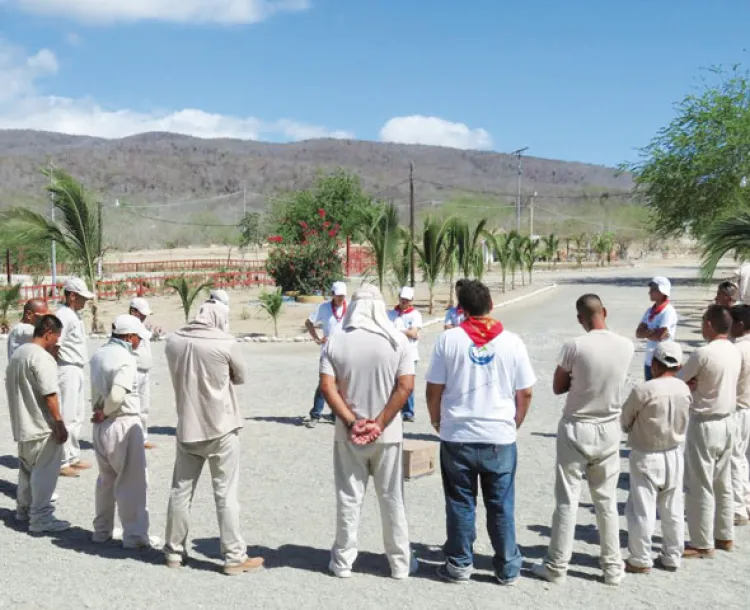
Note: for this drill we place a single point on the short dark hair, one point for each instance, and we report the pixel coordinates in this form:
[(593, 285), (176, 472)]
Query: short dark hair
[(741, 314), (460, 283), (475, 298), (729, 288), (720, 318), (48, 323), (589, 305)]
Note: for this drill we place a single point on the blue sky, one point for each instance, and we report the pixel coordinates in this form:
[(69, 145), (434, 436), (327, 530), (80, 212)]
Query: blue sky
[(582, 80)]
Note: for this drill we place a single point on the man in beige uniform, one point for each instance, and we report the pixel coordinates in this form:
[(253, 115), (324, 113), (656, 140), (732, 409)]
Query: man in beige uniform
[(366, 376), (205, 363), (712, 372), (140, 309), (592, 370), (740, 332), (23, 332), (118, 437), (31, 383)]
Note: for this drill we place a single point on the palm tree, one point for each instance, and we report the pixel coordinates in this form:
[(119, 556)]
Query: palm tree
[(580, 241), (468, 243), (187, 292), (8, 298), (272, 303), (516, 257), (78, 233), (550, 246), (530, 254), (432, 253), (401, 263), (502, 245), (725, 236), (603, 245), (383, 235)]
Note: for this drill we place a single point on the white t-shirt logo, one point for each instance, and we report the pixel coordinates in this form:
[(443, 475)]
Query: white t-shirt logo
[(482, 355)]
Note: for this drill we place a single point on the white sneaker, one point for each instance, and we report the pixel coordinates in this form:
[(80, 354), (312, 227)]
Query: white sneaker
[(540, 570), (117, 533), (54, 497), (413, 567), (140, 545), (614, 579), (55, 525), (338, 572)]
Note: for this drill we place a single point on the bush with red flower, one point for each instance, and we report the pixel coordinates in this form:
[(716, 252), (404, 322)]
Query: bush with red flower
[(313, 264)]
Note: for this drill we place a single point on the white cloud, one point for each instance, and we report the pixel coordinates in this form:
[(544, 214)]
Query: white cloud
[(22, 107), (73, 39), (430, 130), (179, 11)]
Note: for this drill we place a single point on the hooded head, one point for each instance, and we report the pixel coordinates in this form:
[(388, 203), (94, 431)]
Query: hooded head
[(213, 315), (368, 312)]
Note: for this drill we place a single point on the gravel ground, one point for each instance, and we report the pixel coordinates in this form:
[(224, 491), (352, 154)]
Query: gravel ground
[(288, 500)]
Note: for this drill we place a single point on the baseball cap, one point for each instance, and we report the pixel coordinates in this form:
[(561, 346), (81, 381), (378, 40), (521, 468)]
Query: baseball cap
[(78, 286), (130, 325), (339, 289), (141, 305), (407, 293), (221, 296), (662, 284), (669, 353)]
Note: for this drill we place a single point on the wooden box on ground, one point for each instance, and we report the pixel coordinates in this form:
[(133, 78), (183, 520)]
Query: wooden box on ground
[(420, 458)]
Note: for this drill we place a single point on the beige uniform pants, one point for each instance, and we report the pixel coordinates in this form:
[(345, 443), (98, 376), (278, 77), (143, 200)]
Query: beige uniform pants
[(352, 467), (223, 456), (143, 383), (72, 409), (39, 467), (123, 480), (740, 470), (591, 449), (656, 479), (709, 504)]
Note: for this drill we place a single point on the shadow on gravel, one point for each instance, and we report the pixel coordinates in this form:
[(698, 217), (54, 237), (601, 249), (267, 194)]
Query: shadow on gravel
[(279, 419), (9, 461), (631, 282), (535, 554), (8, 489), (590, 507), (419, 436), (545, 434), (584, 533), (162, 430)]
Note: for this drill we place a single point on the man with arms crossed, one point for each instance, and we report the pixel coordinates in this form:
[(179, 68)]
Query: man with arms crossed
[(366, 375), (478, 393), (740, 332), (591, 370), (408, 320), (659, 323), (712, 372), (140, 309), (32, 385), (23, 332)]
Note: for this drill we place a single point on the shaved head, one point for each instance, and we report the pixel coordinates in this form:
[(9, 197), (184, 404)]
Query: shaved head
[(589, 305), (33, 310)]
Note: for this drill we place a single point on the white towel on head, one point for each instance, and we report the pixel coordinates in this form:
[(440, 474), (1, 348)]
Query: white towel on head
[(367, 311), (214, 314)]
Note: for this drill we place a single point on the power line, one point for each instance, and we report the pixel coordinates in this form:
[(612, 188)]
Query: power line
[(178, 222)]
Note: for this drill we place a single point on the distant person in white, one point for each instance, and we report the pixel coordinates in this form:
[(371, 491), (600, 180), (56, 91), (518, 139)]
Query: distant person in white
[(366, 374), (408, 320), (23, 332), (32, 386), (726, 294), (118, 437), (591, 370), (740, 333), (659, 323), (479, 389), (743, 283), (139, 308), (72, 359), (455, 315), (327, 315)]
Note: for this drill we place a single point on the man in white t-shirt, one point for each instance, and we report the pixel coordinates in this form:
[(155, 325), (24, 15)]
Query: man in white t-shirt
[(659, 323), (73, 357), (408, 321), (139, 308), (740, 333), (38, 428), (591, 370), (118, 436), (455, 315), (23, 332), (478, 393), (328, 316)]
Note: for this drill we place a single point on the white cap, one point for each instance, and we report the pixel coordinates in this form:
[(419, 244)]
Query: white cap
[(669, 353), (221, 296), (338, 289), (140, 305), (78, 286), (129, 325), (407, 293), (662, 284)]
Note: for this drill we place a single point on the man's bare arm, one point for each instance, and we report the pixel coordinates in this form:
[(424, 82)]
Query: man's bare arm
[(331, 394), (396, 402), (313, 332), (434, 400), (523, 402), (560, 381)]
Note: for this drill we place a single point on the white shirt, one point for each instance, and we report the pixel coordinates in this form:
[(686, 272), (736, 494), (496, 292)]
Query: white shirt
[(21, 333), (479, 400), (114, 364), (323, 316), (454, 318), (73, 348), (744, 284), (665, 319), (143, 355), (413, 319)]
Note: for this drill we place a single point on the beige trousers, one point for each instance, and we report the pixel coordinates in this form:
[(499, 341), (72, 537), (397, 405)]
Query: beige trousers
[(72, 409), (656, 479), (740, 470), (709, 504), (590, 449), (123, 480), (143, 383), (353, 466), (223, 456), (39, 467)]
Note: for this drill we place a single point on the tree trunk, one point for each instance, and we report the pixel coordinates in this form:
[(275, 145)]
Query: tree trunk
[(275, 328), (503, 273), (432, 298), (530, 270), (451, 291)]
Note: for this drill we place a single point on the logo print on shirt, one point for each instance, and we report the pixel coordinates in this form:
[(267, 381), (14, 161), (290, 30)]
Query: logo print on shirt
[(481, 355)]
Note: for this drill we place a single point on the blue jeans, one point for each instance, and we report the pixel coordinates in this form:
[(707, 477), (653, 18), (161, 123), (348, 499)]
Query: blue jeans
[(647, 372), (319, 404), (463, 467), (408, 410)]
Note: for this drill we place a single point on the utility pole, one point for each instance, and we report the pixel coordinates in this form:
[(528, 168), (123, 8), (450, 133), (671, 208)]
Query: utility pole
[(7, 267), (518, 153), (100, 222), (531, 214), (411, 220), (54, 244), (244, 202)]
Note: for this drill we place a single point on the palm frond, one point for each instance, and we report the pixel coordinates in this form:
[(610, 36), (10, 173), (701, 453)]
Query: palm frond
[(383, 236), (728, 235)]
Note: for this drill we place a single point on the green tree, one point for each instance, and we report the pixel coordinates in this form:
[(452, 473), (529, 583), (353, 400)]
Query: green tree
[(251, 232), (503, 244), (432, 253), (580, 241), (401, 265), (695, 168), (727, 236), (603, 245), (550, 247), (272, 303), (530, 251), (187, 291), (384, 237), (9, 298), (468, 244)]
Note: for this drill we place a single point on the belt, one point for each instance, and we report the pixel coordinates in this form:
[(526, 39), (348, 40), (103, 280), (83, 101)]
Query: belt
[(699, 417)]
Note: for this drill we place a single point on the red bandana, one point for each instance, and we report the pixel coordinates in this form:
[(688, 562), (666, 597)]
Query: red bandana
[(481, 330), (343, 311), (402, 312), (459, 311), (655, 311)]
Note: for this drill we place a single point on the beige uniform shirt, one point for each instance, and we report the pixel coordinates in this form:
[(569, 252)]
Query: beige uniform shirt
[(143, 355), (114, 364), (655, 415), (716, 369), (743, 382), (73, 348), (366, 368), (21, 333), (598, 364), (31, 375), (205, 364)]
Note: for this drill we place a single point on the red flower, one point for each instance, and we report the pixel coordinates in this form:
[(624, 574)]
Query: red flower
[(275, 239), (303, 224), (332, 233), (337, 226), (322, 213), (327, 224)]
